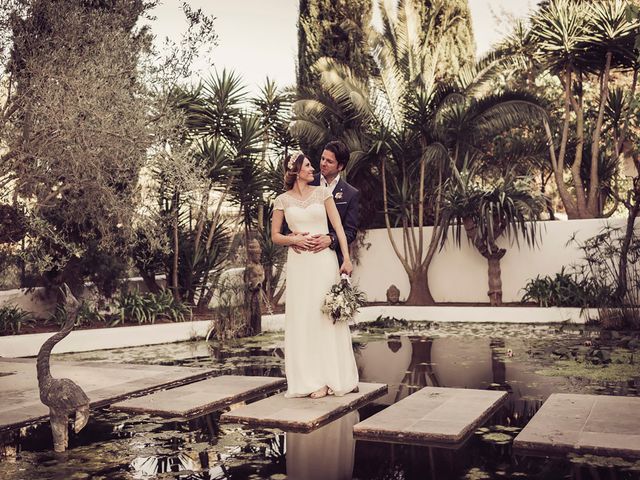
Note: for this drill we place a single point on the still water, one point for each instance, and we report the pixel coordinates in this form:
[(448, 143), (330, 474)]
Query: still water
[(520, 359)]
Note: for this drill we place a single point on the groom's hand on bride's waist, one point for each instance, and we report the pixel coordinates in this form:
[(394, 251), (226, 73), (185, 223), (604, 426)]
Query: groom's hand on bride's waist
[(320, 242)]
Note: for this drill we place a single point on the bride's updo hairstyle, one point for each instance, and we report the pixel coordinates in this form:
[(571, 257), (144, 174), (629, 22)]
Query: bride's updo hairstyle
[(292, 165)]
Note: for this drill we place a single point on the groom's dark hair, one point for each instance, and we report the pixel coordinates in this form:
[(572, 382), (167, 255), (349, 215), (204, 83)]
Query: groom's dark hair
[(340, 150)]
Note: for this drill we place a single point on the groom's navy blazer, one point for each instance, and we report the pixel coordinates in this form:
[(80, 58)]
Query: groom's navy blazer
[(347, 200)]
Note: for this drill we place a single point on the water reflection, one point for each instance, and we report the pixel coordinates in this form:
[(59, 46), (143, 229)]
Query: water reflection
[(324, 454), (121, 446), (144, 467), (408, 364), (406, 461)]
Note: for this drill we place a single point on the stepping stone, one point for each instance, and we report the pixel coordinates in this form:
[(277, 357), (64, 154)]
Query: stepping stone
[(104, 384), (302, 414), (202, 397), (589, 424), (434, 416)]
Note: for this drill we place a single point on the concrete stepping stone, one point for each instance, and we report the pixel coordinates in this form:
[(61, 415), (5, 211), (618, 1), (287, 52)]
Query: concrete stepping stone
[(591, 424), (202, 397), (104, 383), (302, 414), (434, 416)]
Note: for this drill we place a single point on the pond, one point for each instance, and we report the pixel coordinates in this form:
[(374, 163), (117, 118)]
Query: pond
[(530, 362)]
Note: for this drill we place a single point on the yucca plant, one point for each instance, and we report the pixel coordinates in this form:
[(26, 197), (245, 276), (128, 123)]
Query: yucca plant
[(13, 319), (581, 44), (212, 162), (273, 108), (132, 306), (273, 261), (486, 213), (566, 289)]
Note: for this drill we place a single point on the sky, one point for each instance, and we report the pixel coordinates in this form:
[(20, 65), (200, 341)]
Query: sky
[(258, 38)]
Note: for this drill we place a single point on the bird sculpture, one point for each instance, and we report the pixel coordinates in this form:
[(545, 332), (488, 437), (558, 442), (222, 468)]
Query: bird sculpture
[(61, 395)]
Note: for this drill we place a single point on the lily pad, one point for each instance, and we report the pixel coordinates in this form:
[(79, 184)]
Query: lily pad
[(497, 438)]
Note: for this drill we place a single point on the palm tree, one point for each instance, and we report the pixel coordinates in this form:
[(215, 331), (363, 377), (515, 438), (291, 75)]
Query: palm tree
[(340, 109), (509, 207), (407, 127), (373, 118)]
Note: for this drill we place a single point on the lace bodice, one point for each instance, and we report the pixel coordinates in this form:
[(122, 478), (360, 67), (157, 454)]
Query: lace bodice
[(308, 215)]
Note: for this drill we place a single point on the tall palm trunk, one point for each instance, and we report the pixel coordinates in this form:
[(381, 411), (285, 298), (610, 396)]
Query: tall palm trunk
[(594, 183), (493, 254), (495, 279)]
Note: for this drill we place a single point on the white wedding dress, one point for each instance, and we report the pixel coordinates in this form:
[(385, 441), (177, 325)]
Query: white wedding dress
[(317, 351)]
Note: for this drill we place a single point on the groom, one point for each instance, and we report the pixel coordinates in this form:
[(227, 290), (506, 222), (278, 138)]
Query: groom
[(332, 162)]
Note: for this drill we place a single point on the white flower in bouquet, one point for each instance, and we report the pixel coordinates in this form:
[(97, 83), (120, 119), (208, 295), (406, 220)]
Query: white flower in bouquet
[(343, 301)]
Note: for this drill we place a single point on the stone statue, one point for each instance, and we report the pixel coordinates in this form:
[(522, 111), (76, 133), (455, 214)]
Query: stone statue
[(393, 295), (61, 395), (253, 278)]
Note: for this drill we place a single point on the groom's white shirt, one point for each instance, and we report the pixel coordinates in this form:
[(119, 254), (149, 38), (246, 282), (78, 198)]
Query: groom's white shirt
[(332, 185)]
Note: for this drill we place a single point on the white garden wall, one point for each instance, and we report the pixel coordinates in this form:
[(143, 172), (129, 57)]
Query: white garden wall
[(456, 274), (43, 304), (460, 274)]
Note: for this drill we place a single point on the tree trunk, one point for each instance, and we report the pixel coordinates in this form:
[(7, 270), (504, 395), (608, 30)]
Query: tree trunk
[(176, 256), (557, 165), (495, 280), (206, 296), (621, 288), (272, 293), (254, 312), (420, 294), (149, 281), (594, 181), (498, 367)]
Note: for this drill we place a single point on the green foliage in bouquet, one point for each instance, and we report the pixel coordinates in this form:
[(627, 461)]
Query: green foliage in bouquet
[(343, 301)]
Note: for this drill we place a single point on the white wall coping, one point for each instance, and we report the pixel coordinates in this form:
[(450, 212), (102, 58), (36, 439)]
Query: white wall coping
[(121, 337), (479, 314)]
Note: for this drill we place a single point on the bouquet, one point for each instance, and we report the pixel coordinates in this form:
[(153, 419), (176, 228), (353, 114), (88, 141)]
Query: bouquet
[(343, 300)]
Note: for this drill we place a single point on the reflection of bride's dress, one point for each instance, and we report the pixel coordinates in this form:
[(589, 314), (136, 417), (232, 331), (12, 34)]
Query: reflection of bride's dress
[(317, 352), (324, 454)]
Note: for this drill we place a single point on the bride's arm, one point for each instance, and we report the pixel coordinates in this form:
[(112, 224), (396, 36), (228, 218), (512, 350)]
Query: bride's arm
[(334, 218), (299, 240)]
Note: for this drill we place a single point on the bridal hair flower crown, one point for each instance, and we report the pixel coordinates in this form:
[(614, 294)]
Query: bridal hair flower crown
[(292, 159)]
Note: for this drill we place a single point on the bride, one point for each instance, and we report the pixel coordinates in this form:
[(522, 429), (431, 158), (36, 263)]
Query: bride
[(319, 357)]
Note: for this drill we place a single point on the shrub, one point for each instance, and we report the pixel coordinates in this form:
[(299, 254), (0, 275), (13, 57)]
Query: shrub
[(230, 313), (87, 314), (566, 290), (13, 319), (147, 307)]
